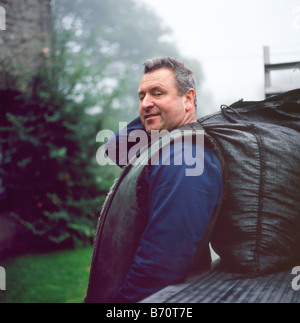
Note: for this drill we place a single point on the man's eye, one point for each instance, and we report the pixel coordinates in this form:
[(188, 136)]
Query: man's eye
[(157, 94)]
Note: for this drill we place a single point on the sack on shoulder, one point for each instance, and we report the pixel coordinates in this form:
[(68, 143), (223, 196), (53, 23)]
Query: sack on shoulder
[(258, 229)]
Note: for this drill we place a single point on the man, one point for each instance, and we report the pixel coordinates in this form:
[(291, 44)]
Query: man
[(152, 229)]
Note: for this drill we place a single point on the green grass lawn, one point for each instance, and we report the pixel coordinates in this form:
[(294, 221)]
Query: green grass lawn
[(59, 277)]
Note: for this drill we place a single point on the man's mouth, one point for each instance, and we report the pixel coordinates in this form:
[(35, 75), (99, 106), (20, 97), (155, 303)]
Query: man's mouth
[(150, 116)]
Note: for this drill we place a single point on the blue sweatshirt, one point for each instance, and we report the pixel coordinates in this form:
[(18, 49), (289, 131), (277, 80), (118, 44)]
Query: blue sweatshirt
[(179, 208)]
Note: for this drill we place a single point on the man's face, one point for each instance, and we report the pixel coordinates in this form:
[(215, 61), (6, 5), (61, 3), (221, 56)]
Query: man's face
[(160, 105)]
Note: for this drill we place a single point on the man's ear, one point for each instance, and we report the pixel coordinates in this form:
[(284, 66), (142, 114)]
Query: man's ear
[(189, 100)]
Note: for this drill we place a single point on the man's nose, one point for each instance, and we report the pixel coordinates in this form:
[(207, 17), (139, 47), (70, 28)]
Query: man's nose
[(147, 103)]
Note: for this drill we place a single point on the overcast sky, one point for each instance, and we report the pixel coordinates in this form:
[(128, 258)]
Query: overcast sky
[(227, 37)]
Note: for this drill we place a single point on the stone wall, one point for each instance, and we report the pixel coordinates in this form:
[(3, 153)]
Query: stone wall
[(27, 34)]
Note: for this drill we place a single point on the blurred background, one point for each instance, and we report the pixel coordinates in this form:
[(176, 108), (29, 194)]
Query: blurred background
[(71, 68), (227, 38)]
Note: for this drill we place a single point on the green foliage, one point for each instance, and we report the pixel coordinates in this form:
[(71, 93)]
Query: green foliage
[(48, 146), (47, 172)]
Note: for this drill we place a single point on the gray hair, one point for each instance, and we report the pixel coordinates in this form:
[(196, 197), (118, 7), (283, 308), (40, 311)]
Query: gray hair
[(184, 76)]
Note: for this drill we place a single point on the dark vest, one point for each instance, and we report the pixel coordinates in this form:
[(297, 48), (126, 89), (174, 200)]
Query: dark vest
[(121, 224)]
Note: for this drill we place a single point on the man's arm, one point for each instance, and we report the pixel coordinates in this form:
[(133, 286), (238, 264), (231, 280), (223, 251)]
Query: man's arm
[(179, 209), (114, 146)]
